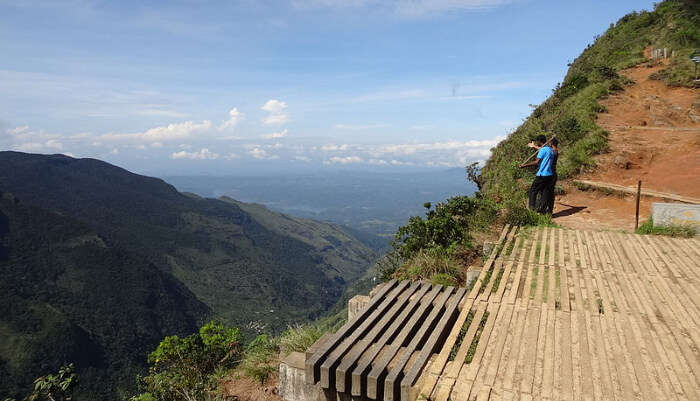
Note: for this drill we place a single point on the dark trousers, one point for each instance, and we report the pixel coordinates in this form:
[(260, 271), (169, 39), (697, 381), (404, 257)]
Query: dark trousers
[(540, 195), (550, 203)]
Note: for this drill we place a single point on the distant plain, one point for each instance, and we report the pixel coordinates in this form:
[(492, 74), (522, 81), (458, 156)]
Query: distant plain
[(372, 202)]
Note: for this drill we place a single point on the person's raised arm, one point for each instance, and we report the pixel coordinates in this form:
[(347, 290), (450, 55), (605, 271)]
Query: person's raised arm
[(532, 163)]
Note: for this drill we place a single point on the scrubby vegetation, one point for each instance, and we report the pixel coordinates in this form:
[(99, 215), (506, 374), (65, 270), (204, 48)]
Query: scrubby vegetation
[(54, 387), (648, 228), (436, 247), (190, 368), (196, 367)]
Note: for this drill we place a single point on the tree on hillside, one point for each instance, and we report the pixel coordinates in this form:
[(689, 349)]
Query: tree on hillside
[(54, 387), (189, 368)]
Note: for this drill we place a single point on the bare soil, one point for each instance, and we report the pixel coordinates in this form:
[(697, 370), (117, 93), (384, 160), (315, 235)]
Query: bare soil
[(247, 389), (654, 137)]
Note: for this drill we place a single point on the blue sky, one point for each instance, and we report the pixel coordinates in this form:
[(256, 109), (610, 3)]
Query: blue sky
[(226, 87)]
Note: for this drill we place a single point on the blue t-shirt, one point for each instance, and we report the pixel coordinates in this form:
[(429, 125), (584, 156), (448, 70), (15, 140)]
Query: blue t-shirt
[(546, 156)]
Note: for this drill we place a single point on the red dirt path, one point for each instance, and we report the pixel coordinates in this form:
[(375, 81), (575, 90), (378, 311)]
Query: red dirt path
[(656, 130)]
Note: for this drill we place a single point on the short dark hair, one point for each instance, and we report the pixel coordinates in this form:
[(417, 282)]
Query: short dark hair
[(554, 141), (541, 138)]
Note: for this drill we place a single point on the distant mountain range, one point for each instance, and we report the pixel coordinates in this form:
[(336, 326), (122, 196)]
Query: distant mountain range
[(99, 264)]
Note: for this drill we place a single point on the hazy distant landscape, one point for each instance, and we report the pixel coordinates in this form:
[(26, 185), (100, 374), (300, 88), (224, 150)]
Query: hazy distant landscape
[(373, 202)]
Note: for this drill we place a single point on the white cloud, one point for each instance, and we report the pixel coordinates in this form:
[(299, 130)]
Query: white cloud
[(277, 114), (50, 145), (410, 149), (276, 119), (157, 145), (431, 154), (261, 154), (18, 130), (345, 160), (334, 147), (275, 135), (29, 147), (232, 156), (274, 106), (165, 133), (302, 158), (203, 154), (234, 117)]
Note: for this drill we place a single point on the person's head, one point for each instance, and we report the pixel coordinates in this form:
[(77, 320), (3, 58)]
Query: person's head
[(540, 140), (554, 142)]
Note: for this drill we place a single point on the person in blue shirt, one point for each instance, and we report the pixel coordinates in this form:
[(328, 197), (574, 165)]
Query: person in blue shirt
[(554, 144), (541, 194)]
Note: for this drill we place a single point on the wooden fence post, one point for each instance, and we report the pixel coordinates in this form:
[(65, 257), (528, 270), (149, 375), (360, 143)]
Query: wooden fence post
[(636, 214)]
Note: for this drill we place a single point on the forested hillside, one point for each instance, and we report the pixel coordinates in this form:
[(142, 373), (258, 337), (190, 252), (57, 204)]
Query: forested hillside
[(95, 258)]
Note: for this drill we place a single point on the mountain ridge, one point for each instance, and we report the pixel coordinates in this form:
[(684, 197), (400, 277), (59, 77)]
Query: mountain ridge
[(108, 233)]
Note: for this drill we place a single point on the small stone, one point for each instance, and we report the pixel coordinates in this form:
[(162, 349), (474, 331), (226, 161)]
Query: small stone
[(694, 116), (622, 162)]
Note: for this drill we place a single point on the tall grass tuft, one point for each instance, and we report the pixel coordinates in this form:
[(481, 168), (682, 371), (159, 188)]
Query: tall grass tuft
[(684, 231)]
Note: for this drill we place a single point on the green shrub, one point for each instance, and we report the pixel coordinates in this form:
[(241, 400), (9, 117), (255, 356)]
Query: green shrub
[(54, 387), (188, 368), (260, 358), (445, 226), (648, 228)]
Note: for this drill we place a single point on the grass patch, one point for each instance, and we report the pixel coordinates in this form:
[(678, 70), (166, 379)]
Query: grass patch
[(485, 281), (300, 337), (509, 249), (533, 284), (472, 347), (497, 280), (260, 358), (460, 336), (557, 287), (472, 283), (434, 264), (648, 228), (518, 215)]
